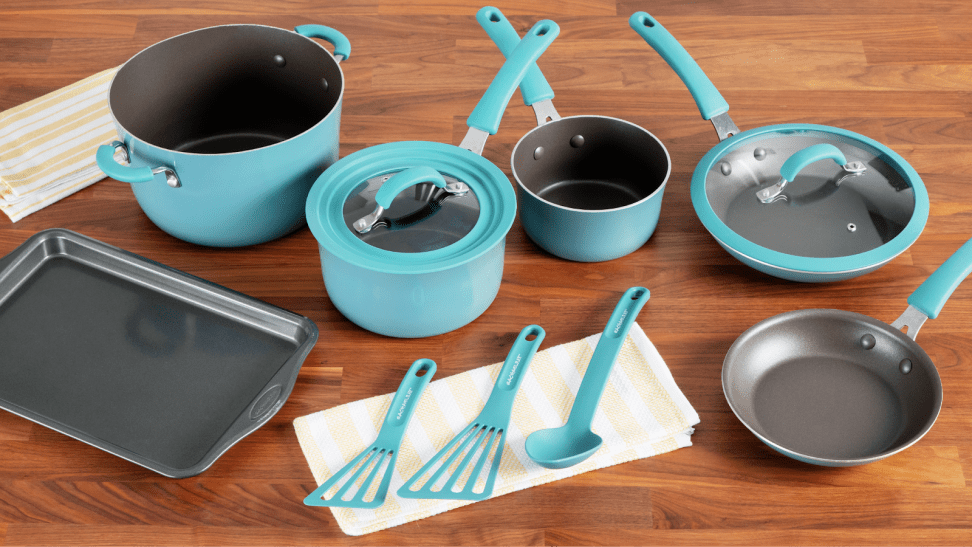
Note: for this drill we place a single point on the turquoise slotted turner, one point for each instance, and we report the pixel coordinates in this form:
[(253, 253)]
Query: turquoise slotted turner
[(380, 457), (484, 436)]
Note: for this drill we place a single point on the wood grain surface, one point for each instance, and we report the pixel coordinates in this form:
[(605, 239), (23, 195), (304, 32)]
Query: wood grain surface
[(897, 71)]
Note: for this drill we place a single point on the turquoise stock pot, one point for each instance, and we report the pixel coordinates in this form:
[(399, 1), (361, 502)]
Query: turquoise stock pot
[(802, 202), (226, 128), (412, 234)]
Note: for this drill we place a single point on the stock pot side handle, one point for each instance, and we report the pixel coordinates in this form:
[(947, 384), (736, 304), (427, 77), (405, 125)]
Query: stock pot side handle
[(105, 158), (342, 47)]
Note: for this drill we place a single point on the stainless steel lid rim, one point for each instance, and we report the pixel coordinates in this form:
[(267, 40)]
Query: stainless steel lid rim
[(660, 189), (335, 111), (327, 197), (862, 261)]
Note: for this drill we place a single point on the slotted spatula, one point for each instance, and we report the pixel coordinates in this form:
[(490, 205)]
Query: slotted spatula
[(484, 437), (380, 457)]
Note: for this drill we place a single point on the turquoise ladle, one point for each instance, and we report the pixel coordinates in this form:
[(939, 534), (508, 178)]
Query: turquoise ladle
[(574, 442)]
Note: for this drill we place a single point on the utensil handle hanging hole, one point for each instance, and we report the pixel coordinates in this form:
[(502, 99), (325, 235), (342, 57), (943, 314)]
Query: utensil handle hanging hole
[(494, 17), (532, 334), (646, 21), (542, 30)]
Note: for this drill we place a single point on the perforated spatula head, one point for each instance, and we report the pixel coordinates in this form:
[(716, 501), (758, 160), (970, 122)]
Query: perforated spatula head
[(482, 440), (347, 488)]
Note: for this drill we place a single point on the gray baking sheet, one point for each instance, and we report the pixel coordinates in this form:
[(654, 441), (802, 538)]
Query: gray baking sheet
[(146, 362)]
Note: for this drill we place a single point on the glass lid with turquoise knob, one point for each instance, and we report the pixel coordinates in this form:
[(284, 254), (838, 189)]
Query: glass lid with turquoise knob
[(806, 193)]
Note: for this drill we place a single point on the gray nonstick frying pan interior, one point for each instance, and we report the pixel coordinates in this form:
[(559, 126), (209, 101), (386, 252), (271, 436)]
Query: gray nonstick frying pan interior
[(836, 388)]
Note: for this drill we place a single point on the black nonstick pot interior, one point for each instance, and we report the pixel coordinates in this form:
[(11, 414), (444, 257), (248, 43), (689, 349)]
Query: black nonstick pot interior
[(225, 89), (590, 162)]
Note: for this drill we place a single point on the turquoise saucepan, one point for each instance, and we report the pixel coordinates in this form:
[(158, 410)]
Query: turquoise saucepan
[(590, 187), (412, 234), (768, 198)]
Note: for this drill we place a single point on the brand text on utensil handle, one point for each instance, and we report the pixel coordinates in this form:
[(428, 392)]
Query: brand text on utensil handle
[(620, 321), (513, 370), (401, 409)]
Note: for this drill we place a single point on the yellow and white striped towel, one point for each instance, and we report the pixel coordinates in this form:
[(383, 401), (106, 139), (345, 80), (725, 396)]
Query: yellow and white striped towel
[(642, 413), (47, 145)]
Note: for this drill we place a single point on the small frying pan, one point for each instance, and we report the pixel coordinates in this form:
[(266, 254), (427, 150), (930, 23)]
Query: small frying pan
[(765, 195), (590, 187), (836, 388)]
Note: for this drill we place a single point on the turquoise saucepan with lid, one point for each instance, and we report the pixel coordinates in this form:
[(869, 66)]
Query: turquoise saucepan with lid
[(802, 202), (412, 234)]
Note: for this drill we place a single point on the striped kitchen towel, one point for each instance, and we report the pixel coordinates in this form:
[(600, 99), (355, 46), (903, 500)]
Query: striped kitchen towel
[(642, 413), (47, 145)]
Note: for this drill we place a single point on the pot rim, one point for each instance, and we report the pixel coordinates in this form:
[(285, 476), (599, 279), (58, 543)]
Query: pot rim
[(336, 108), (829, 265), (324, 208), (657, 191)]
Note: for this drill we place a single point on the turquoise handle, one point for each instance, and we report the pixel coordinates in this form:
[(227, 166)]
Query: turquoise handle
[(707, 97), (605, 354), (931, 295), (489, 111), (500, 402), (105, 157), (405, 402), (340, 42), (534, 86), (406, 179), (811, 154)]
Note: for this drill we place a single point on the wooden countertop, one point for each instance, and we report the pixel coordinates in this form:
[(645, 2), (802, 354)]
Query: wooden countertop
[(897, 71)]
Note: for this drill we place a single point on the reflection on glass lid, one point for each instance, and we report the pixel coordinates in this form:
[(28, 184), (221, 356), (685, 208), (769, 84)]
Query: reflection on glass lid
[(843, 199)]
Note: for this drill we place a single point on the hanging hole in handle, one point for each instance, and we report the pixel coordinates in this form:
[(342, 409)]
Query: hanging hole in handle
[(637, 295), (421, 372), (647, 22), (531, 337), (494, 17), (542, 30)]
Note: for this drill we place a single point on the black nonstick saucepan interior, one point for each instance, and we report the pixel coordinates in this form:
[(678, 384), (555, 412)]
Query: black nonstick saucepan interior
[(837, 388), (590, 187)]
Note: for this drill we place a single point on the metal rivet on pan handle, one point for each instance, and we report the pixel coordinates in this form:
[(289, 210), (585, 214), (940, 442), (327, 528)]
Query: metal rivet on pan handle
[(105, 158)]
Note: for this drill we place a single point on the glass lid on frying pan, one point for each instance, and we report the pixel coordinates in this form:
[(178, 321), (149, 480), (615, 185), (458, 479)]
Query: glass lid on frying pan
[(810, 193), (411, 211)]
